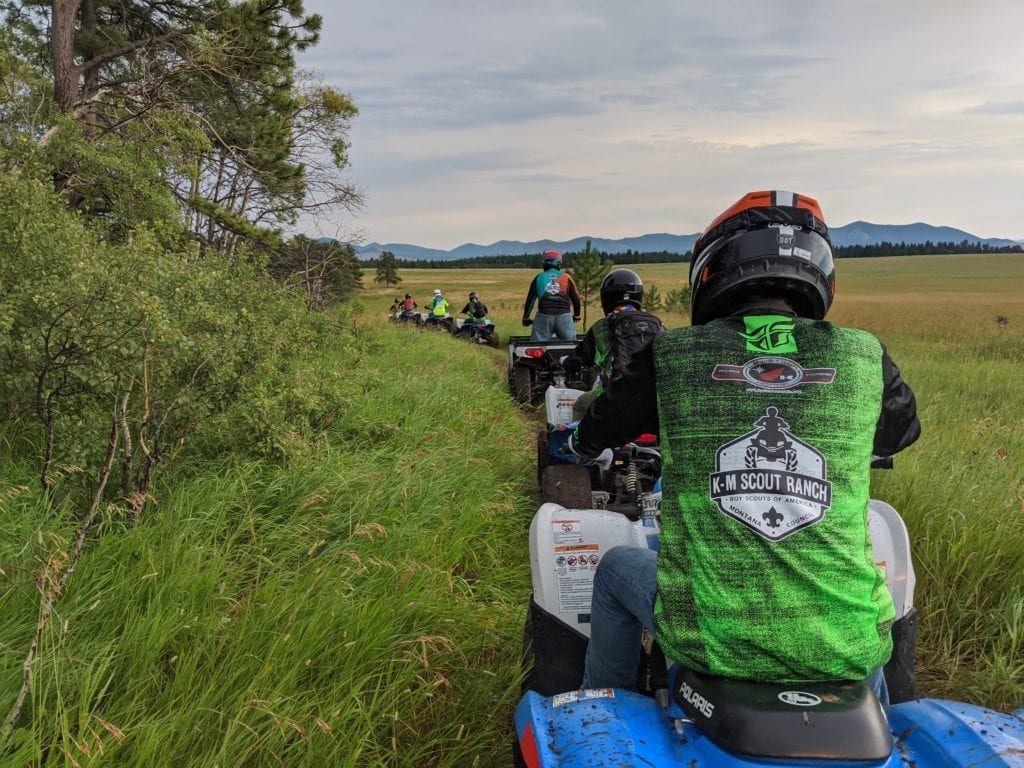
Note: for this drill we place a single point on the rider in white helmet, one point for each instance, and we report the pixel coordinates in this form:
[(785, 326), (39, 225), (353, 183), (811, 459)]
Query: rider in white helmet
[(438, 307)]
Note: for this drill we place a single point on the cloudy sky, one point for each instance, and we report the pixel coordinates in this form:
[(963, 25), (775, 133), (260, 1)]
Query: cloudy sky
[(483, 120)]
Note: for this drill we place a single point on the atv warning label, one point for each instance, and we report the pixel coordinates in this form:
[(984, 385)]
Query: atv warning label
[(566, 532), (572, 697), (575, 565), (771, 481)]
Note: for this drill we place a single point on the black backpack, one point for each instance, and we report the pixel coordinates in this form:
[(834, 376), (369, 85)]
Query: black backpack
[(630, 332)]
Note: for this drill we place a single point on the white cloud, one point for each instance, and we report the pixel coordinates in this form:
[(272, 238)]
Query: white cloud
[(482, 121)]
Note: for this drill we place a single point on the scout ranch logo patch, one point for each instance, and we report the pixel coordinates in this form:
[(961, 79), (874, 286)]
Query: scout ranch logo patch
[(769, 480), (773, 373)]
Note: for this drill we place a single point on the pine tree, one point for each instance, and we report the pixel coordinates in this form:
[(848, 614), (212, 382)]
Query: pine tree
[(588, 271), (387, 270), (652, 299), (200, 97)]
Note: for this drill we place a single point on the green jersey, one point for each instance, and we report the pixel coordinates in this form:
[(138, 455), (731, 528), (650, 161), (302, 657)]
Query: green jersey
[(765, 566)]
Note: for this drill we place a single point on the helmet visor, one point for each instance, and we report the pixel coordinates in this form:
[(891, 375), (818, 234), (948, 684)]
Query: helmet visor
[(780, 262), (774, 245)]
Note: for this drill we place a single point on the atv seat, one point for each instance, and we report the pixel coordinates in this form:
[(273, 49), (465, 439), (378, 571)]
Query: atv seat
[(807, 721)]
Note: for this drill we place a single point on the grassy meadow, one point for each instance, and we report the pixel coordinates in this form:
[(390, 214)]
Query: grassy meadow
[(359, 603), (955, 326)]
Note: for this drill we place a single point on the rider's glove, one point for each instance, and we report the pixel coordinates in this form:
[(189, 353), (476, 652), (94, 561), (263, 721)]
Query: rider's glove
[(604, 459), (527, 322)]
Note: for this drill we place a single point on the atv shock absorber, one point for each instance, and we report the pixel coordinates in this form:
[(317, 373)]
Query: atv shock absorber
[(631, 479)]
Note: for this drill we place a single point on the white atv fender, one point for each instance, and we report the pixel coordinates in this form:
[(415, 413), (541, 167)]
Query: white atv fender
[(566, 546), (891, 543), (558, 402)]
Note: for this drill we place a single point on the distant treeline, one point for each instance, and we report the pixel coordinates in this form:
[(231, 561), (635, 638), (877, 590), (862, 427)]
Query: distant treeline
[(926, 248), (533, 260)]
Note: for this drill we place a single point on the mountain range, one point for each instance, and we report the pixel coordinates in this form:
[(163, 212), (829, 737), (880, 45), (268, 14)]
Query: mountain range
[(856, 233)]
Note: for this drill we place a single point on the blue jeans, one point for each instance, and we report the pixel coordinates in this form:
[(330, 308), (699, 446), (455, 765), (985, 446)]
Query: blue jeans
[(547, 327), (621, 607)]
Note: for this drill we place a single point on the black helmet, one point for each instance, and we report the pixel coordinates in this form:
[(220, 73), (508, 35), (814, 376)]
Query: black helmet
[(621, 286), (408, 295), (769, 245)]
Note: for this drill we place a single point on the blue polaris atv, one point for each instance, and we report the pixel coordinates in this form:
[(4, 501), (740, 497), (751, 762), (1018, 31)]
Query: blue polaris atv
[(705, 721), (677, 718)]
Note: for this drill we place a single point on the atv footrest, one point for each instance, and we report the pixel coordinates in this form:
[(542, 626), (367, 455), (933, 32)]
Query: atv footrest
[(556, 653)]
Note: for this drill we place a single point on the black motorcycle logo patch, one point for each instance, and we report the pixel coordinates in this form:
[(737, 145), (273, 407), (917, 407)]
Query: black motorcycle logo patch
[(771, 481)]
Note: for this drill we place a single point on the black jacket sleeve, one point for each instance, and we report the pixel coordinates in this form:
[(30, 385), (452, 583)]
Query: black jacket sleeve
[(531, 298), (898, 425), (627, 408), (583, 355)]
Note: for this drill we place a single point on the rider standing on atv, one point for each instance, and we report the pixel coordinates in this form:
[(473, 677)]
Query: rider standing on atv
[(768, 417), (554, 292), (612, 341)]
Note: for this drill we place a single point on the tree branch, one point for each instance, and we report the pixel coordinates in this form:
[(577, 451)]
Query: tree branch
[(51, 590)]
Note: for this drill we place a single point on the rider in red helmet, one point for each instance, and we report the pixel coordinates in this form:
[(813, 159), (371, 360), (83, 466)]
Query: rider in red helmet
[(557, 299)]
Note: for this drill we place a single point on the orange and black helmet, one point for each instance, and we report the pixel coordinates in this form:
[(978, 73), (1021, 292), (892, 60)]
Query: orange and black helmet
[(767, 245)]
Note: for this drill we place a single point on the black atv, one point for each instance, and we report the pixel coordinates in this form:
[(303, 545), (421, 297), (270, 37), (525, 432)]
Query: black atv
[(475, 332), (625, 480), (532, 366)]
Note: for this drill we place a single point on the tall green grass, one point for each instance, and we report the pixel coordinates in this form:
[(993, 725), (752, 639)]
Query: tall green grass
[(359, 606), (955, 326), (360, 602)]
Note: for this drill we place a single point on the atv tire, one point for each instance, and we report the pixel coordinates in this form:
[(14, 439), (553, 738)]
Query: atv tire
[(518, 761), (492, 339), (566, 484), (528, 656), (520, 381), (544, 459)]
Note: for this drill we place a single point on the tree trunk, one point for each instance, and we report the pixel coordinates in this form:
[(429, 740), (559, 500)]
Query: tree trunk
[(91, 75), (65, 73)]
